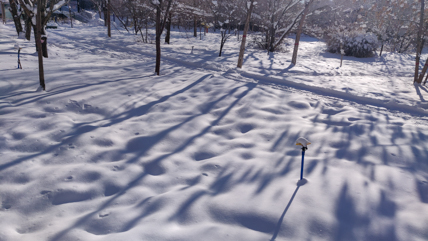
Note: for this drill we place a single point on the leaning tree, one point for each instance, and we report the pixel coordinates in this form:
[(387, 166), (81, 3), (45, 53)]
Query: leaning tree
[(38, 13)]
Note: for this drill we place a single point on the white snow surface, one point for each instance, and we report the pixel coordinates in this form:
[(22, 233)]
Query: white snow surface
[(206, 151)]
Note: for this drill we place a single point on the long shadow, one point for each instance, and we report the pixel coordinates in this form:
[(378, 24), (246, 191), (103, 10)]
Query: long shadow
[(286, 69), (281, 219), (142, 110), (142, 144), (54, 91), (83, 128), (418, 91), (155, 163)]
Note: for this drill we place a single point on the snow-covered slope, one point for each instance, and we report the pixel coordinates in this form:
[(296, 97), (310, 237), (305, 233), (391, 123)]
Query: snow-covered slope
[(206, 151)]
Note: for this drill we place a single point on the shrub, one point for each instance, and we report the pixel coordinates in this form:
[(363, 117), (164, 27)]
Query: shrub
[(358, 44), (258, 41)]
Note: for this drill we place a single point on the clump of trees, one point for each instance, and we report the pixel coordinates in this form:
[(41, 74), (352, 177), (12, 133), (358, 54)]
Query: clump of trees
[(350, 27)]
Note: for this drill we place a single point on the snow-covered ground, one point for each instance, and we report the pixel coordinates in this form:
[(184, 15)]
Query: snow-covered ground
[(207, 151)]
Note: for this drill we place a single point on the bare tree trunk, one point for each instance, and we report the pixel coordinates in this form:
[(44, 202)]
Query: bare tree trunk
[(3, 13), (28, 28), (39, 44), (160, 25), (272, 39), (69, 12), (35, 39), (16, 18), (244, 36), (108, 19), (44, 41), (158, 35), (223, 40), (272, 30), (418, 50), (105, 12), (147, 30), (135, 20), (100, 10), (168, 29), (195, 32), (299, 32)]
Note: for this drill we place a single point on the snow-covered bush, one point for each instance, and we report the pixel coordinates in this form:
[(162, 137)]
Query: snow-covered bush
[(355, 43), (258, 41)]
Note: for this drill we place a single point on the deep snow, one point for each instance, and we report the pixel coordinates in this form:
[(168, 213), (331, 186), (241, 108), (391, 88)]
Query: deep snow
[(206, 151)]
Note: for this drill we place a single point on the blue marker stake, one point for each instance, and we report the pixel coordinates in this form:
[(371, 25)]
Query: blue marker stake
[(304, 143), (303, 161)]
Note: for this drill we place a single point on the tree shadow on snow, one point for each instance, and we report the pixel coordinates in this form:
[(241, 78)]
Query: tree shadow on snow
[(141, 145)]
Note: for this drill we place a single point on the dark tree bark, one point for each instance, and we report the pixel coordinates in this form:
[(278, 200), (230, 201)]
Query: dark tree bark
[(105, 13), (16, 17), (195, 31), (168, 29), (42, 18), (244, 35), (108, 19), (39, 43), (161, 9), (418, 78), (224, 37), (299, 32), (27, 27), (3, 15), (158, 35), (69, 12)]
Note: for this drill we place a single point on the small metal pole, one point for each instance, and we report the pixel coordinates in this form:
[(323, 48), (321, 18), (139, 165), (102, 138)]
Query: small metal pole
[(303, 161), (304, 143)]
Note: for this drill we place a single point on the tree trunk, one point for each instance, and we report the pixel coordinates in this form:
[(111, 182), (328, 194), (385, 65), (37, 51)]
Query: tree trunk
[(244, 36), (147, 30), (299, 32), (195, 31), (272, 30), (69, 12), (108, 19), (3, 13), (39, 44), (381, 50), (44, 41), (158, 36), (267, 40), (223, 40), (35, 38), (272, 40), (28, 26), (419, 78), (16, 18), (105, 13), (168, 29), (160, 25)]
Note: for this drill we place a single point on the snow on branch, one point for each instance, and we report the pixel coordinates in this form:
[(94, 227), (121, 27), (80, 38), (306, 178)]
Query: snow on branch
[(58, 5)]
